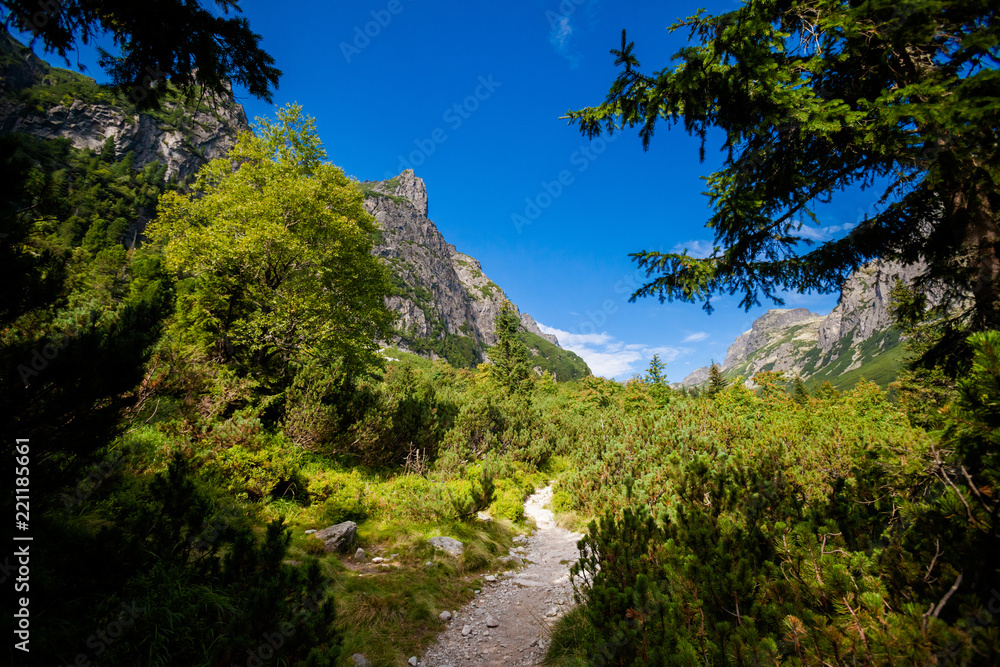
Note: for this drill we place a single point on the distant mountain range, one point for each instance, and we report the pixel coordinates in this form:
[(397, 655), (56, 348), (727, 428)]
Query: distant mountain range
[(857, 339), (446, 304)]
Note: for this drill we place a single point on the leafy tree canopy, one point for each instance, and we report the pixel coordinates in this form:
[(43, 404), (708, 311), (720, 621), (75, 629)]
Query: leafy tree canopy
[(273, 246), (164, 40), (816, 97)]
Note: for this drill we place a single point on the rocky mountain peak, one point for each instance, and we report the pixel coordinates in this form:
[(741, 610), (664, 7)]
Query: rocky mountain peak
[(442, 296), (763, 329), (407, 185)]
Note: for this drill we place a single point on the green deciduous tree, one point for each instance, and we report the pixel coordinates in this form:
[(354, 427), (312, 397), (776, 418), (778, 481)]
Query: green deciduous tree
[(815, 97), (273, 249), (167, 40)]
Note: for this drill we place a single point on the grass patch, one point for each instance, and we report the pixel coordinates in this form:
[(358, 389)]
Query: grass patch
[(389, 611), (571, 633)]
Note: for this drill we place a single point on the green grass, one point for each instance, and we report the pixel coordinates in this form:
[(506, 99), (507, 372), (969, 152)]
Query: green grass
[(881, 361), (390, 613)]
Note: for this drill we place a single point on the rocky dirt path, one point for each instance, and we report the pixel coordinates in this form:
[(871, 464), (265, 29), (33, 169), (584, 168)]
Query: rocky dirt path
[(509, 621)]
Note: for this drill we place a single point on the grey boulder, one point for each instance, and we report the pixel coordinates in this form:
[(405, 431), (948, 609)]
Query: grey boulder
[(449, 545), (338, 538)]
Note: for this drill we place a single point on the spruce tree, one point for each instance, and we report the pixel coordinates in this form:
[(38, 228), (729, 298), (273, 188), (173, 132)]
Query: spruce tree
[(655, 374), (812, 100), (509, 357), (656, 378), (716, 380), (799, 392)]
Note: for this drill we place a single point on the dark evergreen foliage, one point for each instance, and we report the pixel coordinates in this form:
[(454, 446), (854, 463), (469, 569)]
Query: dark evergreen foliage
[(160, 42)]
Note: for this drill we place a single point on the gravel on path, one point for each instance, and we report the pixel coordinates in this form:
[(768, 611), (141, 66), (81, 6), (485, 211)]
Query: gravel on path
[(509, 622)]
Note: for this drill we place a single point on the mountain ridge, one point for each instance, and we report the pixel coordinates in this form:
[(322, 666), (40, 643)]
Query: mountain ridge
[(857, 338)]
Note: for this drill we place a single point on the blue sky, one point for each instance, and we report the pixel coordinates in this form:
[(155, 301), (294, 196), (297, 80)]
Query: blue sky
[(469, 95)]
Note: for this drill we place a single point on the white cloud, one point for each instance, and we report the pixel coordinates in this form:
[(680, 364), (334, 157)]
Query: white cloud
[(560, 33), (563, 33), (559, 38), (567, 339), (611, 358), (822, 233), (696, 249), (696, 337)]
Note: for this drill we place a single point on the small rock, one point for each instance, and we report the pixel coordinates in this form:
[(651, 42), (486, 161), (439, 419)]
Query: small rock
[(490, 578), (340, 537), (360, 660), (377, 559), (466, 630), (551, 613), (491, 622), (412, 661), (483, 516), (445, 615), (477, 591), (360, 556), (449, 545), (310, 531), (429, 564), (391, 556)]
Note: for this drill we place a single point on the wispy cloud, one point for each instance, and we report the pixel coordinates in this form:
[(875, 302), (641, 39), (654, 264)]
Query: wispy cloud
[(611, 358), (823, 233), (567, 25), (696, 337), (560, 33), (697, 249), (559, 38)]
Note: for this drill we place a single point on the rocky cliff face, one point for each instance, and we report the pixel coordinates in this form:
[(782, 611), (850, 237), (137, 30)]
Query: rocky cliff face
[(439, 292), (856, 336), (762, 336), (863, 309), (54, 103)]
